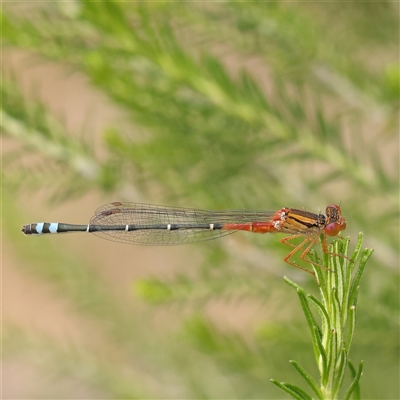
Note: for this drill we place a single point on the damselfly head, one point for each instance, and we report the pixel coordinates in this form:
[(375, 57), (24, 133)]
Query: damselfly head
[(334, 220)]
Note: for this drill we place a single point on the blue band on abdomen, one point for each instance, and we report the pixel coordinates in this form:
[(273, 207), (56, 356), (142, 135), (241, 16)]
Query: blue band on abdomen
[(39, 228), (53, 228)]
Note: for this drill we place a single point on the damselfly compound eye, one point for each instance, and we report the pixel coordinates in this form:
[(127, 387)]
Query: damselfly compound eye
[(333, 229)]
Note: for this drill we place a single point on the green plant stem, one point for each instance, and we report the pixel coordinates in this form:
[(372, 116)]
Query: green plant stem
[(338, 286)]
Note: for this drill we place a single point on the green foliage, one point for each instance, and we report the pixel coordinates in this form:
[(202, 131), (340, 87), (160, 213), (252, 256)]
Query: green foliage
[(211, 283), (339, 285), (226, 105)]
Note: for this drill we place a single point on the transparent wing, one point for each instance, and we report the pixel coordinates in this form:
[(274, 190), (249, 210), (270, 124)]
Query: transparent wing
[(154, 220)]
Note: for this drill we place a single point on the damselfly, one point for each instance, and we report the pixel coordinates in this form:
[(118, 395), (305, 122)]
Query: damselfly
[(146, 224)]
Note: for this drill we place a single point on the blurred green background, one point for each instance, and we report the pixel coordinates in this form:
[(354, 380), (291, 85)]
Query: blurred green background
[(210, 105)]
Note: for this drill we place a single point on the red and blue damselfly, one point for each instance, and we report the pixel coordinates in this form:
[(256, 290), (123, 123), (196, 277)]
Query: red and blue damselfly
[(146, 224)]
